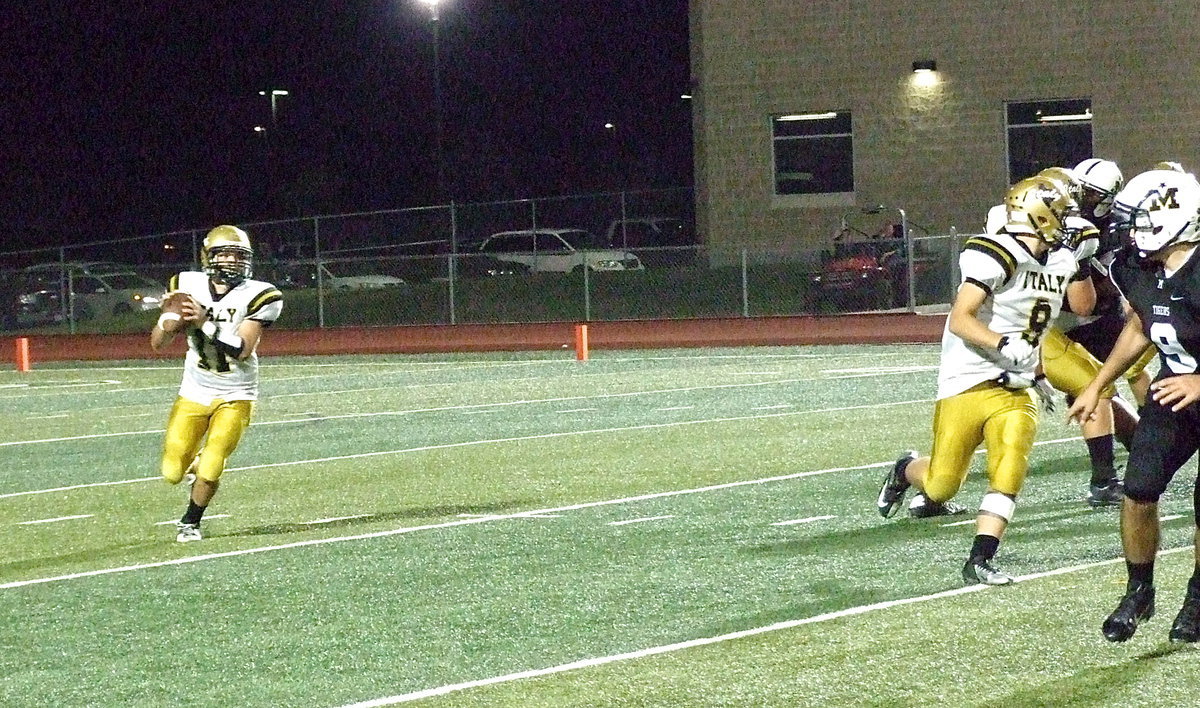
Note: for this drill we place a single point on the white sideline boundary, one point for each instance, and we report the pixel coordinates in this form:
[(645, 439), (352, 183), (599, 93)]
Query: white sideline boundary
[(443, 525), (462, 521), (467, 407), (740, 634), (469, 443)]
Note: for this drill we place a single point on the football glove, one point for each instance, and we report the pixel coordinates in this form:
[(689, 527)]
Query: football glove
[(1040, 385), (1016, 350)]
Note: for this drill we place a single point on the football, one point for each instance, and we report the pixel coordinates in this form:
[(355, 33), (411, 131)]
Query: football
[(178, 303), (175, 301)]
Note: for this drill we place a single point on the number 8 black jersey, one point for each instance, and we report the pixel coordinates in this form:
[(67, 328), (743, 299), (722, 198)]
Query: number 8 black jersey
[(1169, 307)]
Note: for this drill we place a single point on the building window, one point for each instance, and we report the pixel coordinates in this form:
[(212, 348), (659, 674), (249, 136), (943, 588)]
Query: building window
[(1045, 134), (813, 153)]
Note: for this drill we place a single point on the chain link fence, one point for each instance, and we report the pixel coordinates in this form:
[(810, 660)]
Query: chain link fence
[(584, 258)]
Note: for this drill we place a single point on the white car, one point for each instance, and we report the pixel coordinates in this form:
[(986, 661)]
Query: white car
[(358, 282), (97, 289), (556, 251)]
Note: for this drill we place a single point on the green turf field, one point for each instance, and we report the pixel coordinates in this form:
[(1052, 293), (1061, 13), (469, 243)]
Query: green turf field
[(652, 528)]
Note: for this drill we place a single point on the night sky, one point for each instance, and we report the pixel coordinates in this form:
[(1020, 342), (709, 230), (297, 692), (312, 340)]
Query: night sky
[(126, 118)]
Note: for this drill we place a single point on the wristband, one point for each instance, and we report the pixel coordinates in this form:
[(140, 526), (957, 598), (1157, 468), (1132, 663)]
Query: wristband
[(168, 317)]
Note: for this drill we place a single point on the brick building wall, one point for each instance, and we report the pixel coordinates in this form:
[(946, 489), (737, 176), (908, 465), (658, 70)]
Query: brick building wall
[(939, 152)]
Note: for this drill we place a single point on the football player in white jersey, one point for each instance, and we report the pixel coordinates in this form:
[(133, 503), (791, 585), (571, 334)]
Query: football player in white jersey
[(1012, 289), (1067, 363), (223, 321)]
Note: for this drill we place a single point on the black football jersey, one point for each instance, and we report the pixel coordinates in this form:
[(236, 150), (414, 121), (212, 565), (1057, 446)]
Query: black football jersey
[(1168, 307)]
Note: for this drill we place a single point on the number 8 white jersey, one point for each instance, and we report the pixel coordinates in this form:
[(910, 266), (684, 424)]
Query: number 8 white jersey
[(1025, 295), (208, 373)]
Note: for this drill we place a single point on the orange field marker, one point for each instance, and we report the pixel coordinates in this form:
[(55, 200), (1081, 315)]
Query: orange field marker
[(581, 342), (23, 363)]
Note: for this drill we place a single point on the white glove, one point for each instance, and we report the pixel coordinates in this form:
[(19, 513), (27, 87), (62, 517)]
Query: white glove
[(1015, 349), (1042, 387)]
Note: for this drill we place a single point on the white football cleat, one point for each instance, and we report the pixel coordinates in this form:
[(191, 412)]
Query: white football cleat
[(188, 533)]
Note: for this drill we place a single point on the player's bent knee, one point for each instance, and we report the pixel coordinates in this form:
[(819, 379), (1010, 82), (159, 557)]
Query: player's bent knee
[(998, 504), (1142, 493)]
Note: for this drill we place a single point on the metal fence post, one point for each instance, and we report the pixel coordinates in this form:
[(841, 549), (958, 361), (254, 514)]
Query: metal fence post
[(745, 286), (587, 291), (320, 279), (451, 269)]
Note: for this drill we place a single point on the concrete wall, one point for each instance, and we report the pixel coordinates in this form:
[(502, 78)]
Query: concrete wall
[(938, 152)]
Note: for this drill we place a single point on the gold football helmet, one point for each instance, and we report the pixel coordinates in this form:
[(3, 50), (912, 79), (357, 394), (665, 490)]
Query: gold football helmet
[(1067, 180), (1039, 206), (227, 255)]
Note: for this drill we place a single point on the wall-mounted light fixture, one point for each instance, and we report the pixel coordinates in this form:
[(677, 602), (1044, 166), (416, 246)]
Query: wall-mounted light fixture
[(924, 65)]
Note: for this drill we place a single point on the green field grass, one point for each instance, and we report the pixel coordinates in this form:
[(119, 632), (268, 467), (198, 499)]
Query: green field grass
[(654, 528)]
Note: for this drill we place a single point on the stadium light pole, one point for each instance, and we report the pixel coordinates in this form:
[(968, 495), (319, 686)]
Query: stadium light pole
[(437, 95)]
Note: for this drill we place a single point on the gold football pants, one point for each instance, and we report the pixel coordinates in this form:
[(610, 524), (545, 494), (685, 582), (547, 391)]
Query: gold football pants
[(1068, 366), (223, 421), (1007, 420)]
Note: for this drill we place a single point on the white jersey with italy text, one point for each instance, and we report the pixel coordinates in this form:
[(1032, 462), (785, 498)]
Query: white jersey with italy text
[(1025, 295), (208, 373)]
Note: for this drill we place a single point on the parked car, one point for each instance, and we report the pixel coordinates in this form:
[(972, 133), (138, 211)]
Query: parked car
[(557, 251), (96, 288), (659, 241), (366, 281)]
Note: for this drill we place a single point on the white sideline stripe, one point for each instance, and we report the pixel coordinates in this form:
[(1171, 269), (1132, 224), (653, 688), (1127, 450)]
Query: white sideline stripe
[(49, 417), (676, 408), (468, 443), (966, 522), (413, 411), (792, 522), (641, 520), (540, 513), (1170, 517), (172, 522), (771, 408), (668, 648), (536, 513), (57, 518)]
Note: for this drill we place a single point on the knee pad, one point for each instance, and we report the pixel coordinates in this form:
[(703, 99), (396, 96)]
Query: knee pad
[(999, 504)]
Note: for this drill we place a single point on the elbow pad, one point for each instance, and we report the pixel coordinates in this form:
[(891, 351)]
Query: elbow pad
[(228, 344)]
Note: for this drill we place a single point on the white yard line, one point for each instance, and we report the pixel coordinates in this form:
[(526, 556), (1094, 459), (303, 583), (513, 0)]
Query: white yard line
[(741, 634), (641, 520), (793, 522), (438, 409), (538, 513), (55, 519)]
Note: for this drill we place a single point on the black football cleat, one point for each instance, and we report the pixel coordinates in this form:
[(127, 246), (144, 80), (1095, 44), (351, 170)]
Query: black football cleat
[(921, 508), (891, 493), (979, 571), (1134, 608), (1186, 627), (1109, 494)]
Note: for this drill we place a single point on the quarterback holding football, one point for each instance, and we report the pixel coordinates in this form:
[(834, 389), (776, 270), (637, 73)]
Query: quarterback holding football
[(222, 311)]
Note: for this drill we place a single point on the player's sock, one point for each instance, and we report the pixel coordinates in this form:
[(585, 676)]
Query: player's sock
[(985, 546), (1194, 583), (193, 514), (1140, 573), (1100, 450)]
